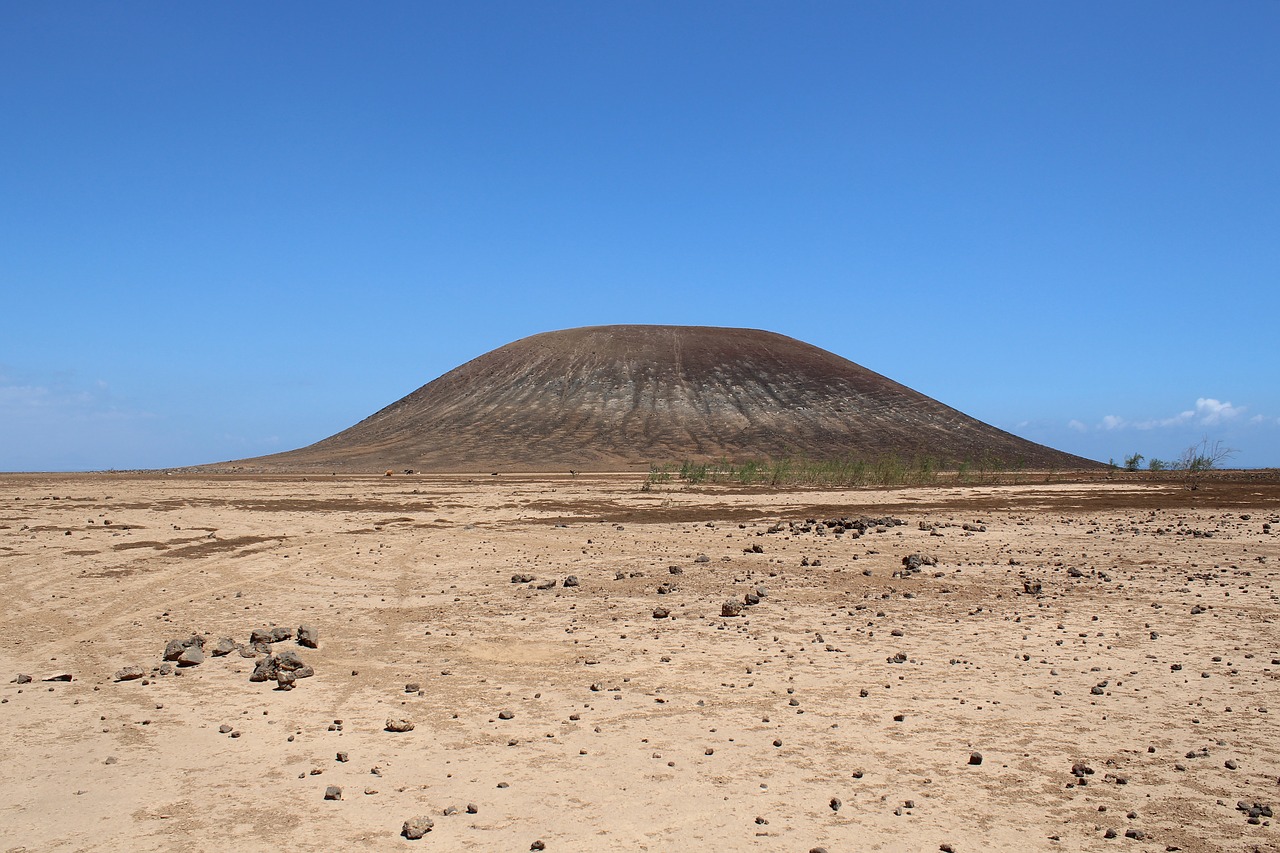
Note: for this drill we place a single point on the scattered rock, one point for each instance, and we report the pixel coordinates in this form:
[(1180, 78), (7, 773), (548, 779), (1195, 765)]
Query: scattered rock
[(129, 673), (416, 827), (731, 607), (399, 724), (308, 636), (333, 792)]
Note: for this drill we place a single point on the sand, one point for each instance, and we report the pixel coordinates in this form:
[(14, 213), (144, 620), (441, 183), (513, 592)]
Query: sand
[(1150, 656)]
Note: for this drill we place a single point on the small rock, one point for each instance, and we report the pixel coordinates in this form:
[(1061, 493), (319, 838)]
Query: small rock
[(129, 673), (308, 636), (333, 792), (225, 646), (399, 724), (416, 827), (731, 607), (975, 758), (191, 656)]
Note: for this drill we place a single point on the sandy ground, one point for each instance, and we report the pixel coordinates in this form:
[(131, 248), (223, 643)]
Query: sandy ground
[(840, 712)]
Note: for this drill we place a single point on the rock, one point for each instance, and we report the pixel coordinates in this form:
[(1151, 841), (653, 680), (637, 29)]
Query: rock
[(914, 562), (416, 827), (702, 558), (835, 804), (225, 646), (731, 607), (129, 673), (280, 634), (1031, 587), (570, 581), (224, 729), (260, 637), (751, 599), (505, 715), (265, 669), (191, 656), (537, 845), (308, 636), (661, 613), (174, 649), (399, 724), (412, 687), (285, 679), (521, 577), (289, 660), (333, 792), (58, 676), (22, 678), (975, 758)]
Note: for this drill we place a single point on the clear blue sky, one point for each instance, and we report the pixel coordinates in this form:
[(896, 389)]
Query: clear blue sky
[(229, 229)]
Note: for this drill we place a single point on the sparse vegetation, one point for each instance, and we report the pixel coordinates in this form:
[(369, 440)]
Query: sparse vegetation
[(1199, 458), (1131, 463)]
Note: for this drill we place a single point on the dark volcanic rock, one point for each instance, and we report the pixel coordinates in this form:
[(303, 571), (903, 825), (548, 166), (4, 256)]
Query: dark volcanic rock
[(609, 396), (308, 636)]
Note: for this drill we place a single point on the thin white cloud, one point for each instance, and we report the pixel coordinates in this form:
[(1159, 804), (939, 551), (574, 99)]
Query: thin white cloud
[(1208, 411), (1211, 411)]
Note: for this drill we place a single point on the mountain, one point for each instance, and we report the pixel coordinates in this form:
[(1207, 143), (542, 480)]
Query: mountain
[(624, 397)]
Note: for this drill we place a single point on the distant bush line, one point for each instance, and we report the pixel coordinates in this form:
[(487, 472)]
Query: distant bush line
[(843, 473)]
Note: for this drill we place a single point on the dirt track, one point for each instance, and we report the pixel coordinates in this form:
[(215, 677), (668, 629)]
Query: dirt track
[(1154, 635)]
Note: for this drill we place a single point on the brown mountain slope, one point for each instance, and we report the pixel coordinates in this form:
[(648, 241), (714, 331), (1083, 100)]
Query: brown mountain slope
[(619, 397)]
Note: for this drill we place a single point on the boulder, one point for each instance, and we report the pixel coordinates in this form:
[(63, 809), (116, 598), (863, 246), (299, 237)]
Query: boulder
[(308, 636)]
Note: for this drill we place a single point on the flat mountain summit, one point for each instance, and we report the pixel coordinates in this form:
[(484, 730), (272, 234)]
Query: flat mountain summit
[(627, 397)]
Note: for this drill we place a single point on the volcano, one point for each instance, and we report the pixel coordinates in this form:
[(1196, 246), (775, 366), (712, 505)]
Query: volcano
[(616, 398)]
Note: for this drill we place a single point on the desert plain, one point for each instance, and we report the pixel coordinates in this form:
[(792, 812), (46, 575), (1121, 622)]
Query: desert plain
[(1066, 665)]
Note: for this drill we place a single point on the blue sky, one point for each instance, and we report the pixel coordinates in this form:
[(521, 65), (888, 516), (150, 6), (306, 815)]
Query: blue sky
[(236, 228)]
